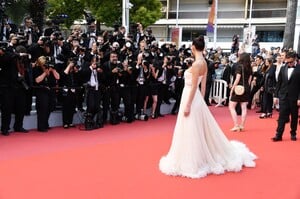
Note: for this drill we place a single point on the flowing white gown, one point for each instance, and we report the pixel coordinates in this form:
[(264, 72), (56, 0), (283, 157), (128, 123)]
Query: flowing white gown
[(199, 146)]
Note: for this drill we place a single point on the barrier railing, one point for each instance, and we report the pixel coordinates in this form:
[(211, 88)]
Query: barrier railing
[(218, 91)]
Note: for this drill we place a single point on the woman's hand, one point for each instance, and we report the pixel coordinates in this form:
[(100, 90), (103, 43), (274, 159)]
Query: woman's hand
[(187, 110)]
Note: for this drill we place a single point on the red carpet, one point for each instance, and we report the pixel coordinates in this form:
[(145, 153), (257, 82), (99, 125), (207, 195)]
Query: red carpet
[(122, 162)]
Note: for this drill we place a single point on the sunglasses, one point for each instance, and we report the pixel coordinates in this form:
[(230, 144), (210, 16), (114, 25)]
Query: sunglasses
[(290, 62)]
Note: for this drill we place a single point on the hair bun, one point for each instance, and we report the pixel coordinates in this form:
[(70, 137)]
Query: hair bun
[(201, 38)]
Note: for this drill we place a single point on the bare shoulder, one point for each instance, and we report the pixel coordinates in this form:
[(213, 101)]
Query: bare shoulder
[(200, 66)]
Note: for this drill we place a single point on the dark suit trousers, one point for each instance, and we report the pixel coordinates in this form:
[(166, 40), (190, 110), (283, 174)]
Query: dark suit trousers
[(287, 107)]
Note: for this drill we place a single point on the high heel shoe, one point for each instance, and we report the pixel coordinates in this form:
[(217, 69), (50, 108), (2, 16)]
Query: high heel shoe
[(153, 116), (241, 128), (235, 129), (269, 115), (263, 116)]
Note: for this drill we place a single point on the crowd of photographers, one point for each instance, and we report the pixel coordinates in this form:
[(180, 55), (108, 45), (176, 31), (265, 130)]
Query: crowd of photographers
[(87, 71)]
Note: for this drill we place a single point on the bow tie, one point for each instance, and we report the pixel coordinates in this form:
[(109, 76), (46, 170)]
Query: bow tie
[(292, 66)]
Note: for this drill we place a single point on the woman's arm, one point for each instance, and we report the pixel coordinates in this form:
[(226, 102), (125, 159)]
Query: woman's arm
[(55, 73), (196, 71), (203, 84), (249, 80), (235, 83), (41, 77)]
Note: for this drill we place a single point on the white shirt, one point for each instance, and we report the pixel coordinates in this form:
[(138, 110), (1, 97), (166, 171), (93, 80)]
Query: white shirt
[(290, 71)]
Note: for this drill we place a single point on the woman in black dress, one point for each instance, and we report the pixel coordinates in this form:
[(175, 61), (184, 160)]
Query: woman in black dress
[(269, 83), (242, 77)]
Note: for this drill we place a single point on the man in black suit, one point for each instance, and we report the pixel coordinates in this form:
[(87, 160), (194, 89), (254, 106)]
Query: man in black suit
[(288, 93)]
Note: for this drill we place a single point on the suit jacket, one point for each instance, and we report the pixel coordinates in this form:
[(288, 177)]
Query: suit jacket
[(6, 33), (288, 88)]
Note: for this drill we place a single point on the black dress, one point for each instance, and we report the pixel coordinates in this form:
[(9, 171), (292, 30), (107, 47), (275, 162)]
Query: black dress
[(245, 96)]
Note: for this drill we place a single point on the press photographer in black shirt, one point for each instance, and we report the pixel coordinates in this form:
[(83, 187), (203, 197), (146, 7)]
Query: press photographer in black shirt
[(125, 74), (45, 79), (70, 81), (12, 91), (112, 70)]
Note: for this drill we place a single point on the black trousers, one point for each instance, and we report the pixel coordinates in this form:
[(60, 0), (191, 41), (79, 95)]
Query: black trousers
[(141, 94), (162, 91), (267, 105), (28, 101), (177, 101), (93, 100), (125, 95), (13, 101), (207, 90), (114, 96), (45, 104), (287, 107), (68, 109)]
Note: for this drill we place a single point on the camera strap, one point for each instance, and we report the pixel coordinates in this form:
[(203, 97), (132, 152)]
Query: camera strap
[(21, 68)]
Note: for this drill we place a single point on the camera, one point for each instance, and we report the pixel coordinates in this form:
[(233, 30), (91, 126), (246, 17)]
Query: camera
[(50, 62), (142, 117), (75, 61), (188, 61), (119, 69)]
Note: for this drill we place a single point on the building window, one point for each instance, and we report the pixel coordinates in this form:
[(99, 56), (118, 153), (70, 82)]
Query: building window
[(270, 36), (189, 35)]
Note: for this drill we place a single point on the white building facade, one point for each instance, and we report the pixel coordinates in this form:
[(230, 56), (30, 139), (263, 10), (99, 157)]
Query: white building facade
[(266, 18)]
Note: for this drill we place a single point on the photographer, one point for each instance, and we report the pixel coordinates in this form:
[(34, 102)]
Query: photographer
[(149, 37), (164, 75), (60, 52), (112, 71), (45, 78), (39, 49), (152, 89), (125, 90), (94, 94), (142, 84), (5, 29), (235, 44), (25, 76), (29, 31), (12, 92), (139, 35), (70, 79)]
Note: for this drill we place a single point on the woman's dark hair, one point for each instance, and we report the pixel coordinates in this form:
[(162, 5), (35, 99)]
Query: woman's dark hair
[(244, 60), (270, 61), (199, 43)]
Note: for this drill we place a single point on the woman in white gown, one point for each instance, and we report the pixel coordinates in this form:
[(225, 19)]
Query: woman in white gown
[(199, 146)]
